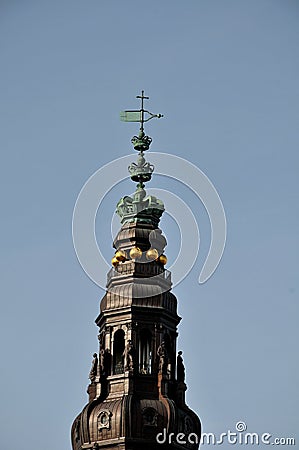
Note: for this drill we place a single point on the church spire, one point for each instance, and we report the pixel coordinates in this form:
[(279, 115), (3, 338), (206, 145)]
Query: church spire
[(137, 379)]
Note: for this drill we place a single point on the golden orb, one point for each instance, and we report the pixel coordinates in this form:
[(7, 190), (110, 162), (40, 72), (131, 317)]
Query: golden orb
[(135, 253), (114, 261), (162, 259), (120, 255), (152, 254)]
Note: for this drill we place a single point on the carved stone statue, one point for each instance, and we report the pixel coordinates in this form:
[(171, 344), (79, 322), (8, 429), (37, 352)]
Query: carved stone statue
[(129, 355), (105, 362), (163, 358), (102, 362), (94, 368), (180, 368)]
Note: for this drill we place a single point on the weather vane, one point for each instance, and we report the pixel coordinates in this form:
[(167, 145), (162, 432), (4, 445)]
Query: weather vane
[(142, 170), (141, 142)]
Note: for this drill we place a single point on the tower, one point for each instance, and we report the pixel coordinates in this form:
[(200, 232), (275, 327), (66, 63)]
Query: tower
[(137, 379)]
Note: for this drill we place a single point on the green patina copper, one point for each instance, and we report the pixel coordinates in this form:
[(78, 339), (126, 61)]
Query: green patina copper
[(130, 116), (140, 142), (141, 171), (136, 115), (140, 207)]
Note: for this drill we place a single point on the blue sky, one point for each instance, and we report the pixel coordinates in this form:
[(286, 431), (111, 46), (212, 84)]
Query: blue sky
[(225, 75)]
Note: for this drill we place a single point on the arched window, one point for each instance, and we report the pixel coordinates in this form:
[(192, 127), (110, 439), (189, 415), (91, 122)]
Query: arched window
[(118, 350), (145, 352)]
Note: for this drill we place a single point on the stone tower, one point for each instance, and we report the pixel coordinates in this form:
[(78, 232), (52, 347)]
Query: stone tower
[(137, 379)]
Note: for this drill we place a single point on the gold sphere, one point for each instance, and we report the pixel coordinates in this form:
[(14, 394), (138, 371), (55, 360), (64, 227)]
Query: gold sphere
[(135, 253), (120, 255), (163, 259), (114, 261), (152, 254)]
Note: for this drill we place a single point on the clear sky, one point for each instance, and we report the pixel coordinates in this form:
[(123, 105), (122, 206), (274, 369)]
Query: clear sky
[(225, 75)]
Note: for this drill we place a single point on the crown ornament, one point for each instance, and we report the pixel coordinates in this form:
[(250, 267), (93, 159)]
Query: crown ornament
[(141, 171), (140, 207), (141, 142)]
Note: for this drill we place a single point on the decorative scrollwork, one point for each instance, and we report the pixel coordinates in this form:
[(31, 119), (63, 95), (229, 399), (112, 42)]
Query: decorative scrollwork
[(104, 419), (150, 417)]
